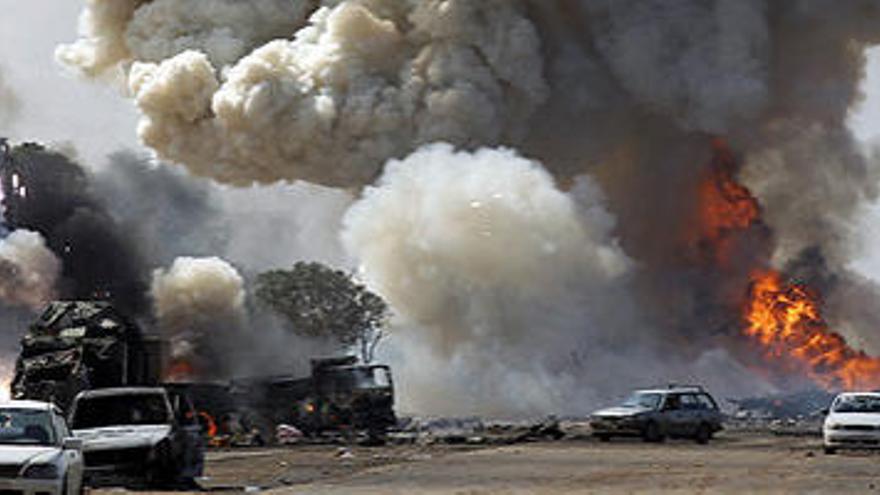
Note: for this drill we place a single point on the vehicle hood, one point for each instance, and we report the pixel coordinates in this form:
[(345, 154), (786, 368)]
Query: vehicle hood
[(121, 437), (620, 412), (27, 454), (872, 419)]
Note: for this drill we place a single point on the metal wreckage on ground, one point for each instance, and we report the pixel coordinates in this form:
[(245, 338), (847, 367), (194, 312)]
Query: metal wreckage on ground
[(83, 345), (79, 345), (340, 395)]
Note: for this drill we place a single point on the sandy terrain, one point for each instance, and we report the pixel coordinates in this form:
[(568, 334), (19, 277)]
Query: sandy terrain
[(734, 463)]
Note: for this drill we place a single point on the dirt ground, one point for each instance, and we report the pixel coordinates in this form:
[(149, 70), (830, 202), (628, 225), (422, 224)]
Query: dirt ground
[(733, 463)]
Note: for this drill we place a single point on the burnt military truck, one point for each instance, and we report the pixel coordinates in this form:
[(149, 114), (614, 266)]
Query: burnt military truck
[(340, 395), (82, 345)]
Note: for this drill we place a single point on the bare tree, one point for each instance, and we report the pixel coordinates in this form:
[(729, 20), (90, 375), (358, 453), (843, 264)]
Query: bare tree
[(319, 301)]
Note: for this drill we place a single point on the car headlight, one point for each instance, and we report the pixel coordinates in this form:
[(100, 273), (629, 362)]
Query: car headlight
[(41, 472), (834, 426)]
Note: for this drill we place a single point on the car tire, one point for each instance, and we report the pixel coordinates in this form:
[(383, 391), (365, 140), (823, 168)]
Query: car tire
[(704, 433), (652, 433), (604, 438), (830, 450)]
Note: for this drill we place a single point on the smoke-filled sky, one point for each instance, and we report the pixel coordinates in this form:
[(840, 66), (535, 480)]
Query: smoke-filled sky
[(321, 107)]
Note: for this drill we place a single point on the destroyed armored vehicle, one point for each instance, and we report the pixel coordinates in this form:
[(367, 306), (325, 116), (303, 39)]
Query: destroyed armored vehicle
[(81, 345), (675, 411), (340, 395), (138, 434)]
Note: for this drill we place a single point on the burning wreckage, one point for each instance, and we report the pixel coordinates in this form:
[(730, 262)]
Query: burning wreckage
[(81, 345), (75, 346)]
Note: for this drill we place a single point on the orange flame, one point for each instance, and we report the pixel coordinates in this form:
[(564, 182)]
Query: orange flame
[(210, 424), (725, 206), (785, 319), (179, 371)]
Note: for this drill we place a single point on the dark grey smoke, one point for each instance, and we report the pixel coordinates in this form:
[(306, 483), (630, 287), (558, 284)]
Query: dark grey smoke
[(54, 197), (166, 211)]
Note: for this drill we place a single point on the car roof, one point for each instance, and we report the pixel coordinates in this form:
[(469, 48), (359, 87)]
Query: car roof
[(27, 404), (108, 392), (673, 390)]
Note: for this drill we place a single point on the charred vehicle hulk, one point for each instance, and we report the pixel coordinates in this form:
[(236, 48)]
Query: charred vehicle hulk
[(82, 345), (339, 395), (87, 345), (146, 434)]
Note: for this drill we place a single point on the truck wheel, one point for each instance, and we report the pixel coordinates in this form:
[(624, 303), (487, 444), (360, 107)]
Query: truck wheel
[(604, 438), (830, 450), (703, 434), (652, 433)]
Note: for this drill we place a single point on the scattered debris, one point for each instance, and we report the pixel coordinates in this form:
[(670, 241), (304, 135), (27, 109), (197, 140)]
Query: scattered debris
[(288, 435)]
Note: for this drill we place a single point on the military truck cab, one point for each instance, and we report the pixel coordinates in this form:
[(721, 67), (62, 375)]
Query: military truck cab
[(340, 395), (348, 395)]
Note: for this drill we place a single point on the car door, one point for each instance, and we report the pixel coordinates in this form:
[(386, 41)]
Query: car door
[(671, 415), (691, 414), (193, 448), (709, 410), (73, 459)]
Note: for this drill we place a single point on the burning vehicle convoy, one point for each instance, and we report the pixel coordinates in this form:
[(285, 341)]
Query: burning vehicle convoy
[(543, 192)]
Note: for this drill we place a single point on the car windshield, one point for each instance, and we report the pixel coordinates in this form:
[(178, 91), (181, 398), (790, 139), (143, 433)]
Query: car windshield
[(26, 427), (642, 400), (857, 404), (118, 410)]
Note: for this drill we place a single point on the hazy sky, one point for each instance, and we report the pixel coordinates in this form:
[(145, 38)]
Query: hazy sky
[(58, 107)]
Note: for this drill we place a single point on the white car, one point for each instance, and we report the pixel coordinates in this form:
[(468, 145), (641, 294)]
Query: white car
[(852, 421), (38, 455)]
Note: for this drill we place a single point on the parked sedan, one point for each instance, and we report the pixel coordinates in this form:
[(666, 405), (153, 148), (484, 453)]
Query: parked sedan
[(38, 455), (853, 421)]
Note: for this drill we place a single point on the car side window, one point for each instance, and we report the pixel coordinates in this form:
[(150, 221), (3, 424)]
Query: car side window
[(706, 402), (689, 401), (183, 409), (673, 403)]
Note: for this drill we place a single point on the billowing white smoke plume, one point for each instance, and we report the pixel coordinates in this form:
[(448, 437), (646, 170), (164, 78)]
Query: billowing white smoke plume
[(28, 270), (363, 82), (115, 31), (500, 272), (198, 302)]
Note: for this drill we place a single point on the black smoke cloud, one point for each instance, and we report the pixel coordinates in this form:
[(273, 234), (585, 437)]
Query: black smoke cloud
[(49, 193)]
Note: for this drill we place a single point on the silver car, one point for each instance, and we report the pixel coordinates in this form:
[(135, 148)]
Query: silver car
[(655, 414)]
